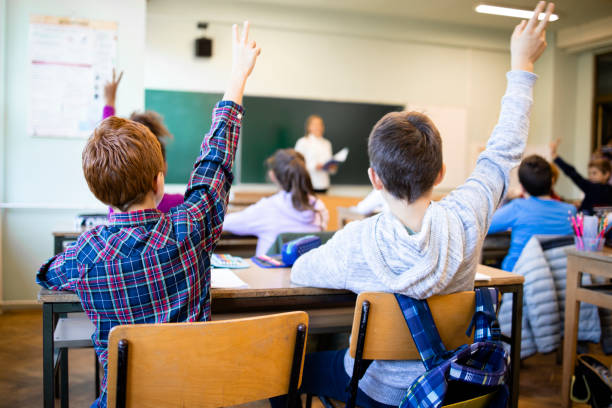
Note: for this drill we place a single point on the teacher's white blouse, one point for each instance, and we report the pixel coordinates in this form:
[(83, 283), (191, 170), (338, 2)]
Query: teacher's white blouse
[(316, 150)]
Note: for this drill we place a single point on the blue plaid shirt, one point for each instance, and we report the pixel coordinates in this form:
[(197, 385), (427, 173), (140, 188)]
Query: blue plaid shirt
[(151, 267)]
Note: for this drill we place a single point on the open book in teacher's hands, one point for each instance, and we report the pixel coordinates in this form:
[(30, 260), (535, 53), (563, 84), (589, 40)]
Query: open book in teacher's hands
[(336, 159)]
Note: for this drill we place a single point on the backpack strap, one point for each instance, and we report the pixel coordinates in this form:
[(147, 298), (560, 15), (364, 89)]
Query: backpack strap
[(484, 322), (423, 330)]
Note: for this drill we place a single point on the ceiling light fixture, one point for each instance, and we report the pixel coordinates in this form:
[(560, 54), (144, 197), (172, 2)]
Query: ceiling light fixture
[(511, 12)]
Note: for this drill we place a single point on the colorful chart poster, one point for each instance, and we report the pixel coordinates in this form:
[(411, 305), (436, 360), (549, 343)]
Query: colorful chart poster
[(70, 60)]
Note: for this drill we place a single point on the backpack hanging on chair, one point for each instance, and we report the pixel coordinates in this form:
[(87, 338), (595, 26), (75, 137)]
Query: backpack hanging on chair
[(471, 375)]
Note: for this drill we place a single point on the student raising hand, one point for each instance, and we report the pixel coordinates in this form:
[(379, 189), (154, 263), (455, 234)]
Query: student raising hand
[(110, 89), (554, 146), (245, 53), (529, 39)]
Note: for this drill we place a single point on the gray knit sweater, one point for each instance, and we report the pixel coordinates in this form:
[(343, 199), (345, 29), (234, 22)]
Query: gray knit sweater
[(379, 254)]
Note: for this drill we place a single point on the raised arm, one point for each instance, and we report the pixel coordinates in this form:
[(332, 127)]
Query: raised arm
[(211, 178), (567, 168), (110, 93), (478, 198)]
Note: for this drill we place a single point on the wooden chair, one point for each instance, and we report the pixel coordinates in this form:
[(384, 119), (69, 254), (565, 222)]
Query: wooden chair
[(207, 364), (380, 333)]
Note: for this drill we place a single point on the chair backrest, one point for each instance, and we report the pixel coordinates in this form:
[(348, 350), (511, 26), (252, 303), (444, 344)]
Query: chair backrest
[(285, 237), (387, 335), (207, 364)]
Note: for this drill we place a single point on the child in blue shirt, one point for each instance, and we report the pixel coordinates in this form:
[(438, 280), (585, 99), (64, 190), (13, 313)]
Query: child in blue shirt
[(537, 214)]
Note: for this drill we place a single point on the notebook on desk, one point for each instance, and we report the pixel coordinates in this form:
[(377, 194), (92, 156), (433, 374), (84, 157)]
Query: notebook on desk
[(226, 279)]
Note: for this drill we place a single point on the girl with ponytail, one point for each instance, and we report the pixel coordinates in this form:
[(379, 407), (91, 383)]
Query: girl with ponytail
[(294, 208)]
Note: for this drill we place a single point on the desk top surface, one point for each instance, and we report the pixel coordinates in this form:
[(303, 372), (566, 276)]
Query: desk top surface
[(277, 282), (605, 255)]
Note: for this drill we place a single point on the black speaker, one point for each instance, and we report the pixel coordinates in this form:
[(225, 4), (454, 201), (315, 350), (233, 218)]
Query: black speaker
[(203, 47)]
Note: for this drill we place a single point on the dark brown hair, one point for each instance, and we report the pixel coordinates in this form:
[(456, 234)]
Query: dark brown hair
[(155, 123), (535, 175), (289, 168), (120, 161), (602, 164), (405, 151)]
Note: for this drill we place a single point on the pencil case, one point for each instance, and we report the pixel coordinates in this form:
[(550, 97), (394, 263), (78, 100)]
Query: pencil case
[(266, 261), (292, 250)]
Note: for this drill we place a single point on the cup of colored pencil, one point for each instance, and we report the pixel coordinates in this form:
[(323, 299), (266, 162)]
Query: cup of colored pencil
[(590, 231)]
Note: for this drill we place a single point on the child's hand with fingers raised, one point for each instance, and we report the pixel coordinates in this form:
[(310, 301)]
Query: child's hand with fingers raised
[(245, 53), (529, 39), (554, 146), (110, 89)]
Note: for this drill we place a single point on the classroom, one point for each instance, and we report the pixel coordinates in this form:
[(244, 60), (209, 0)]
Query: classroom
[(211, 203)]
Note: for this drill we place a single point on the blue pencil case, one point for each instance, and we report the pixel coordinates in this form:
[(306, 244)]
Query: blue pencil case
[(291, 251)]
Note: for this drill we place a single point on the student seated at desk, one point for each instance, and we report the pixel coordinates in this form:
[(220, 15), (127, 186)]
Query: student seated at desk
[(597, 191), (147, 266), (536, 214), (295, 208), (419, 247), (155, 123)]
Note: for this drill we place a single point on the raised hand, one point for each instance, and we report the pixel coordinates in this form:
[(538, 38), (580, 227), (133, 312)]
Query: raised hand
[(110, 89), (529, 39), (554, 145), (245, 53)]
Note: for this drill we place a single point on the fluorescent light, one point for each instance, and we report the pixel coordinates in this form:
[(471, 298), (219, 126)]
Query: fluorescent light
[(511, 12)]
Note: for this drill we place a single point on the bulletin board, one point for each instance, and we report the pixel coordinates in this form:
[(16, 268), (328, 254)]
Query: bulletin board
[(70, 61)]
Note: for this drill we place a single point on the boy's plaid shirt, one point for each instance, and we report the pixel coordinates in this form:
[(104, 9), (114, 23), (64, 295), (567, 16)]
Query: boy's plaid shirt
[(150, 267)]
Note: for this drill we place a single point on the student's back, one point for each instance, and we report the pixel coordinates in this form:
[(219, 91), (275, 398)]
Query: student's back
[(539, 214), (294, 208), (274, 215), (382, 253), (147, 266), (527, 217)]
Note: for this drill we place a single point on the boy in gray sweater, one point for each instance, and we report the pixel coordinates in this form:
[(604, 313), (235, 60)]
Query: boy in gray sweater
[(419, 247)]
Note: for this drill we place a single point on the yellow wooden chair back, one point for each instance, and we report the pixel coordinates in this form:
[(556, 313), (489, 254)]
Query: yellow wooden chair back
[(388, 336), (206, 364)]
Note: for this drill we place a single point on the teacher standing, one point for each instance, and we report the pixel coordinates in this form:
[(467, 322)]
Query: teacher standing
[(316, 151)]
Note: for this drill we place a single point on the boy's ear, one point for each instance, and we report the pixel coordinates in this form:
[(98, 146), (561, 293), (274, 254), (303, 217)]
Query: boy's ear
[(158, 184), (374, 179), (441, 175)]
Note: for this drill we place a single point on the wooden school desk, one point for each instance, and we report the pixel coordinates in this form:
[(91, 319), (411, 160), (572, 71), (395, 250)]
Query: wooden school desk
[(579, 262), (239, 245), (271, 291)]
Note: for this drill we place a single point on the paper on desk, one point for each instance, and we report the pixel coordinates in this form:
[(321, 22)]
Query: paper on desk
[(482, 277), (225, 278)]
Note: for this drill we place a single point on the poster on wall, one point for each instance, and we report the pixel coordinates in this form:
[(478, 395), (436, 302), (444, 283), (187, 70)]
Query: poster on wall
[(70, 60)]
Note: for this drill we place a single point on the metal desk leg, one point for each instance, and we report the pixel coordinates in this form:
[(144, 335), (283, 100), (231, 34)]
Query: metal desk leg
[(97, 374), (64, 377), (515, 347), (48, 374)]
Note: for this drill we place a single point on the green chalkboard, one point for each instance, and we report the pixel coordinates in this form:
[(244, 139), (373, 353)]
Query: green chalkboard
[(268, 124)]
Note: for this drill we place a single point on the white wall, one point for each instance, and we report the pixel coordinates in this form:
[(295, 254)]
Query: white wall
[(48, 171), (339, 56)]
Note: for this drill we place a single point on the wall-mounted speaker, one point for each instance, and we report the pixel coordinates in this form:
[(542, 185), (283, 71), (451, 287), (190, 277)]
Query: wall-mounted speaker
[(203, 47)]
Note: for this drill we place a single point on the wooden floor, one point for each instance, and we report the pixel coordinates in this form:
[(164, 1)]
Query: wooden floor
[(21, 369)]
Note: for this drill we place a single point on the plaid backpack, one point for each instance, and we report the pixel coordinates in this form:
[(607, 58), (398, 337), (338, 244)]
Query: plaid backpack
[(467, 372)]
